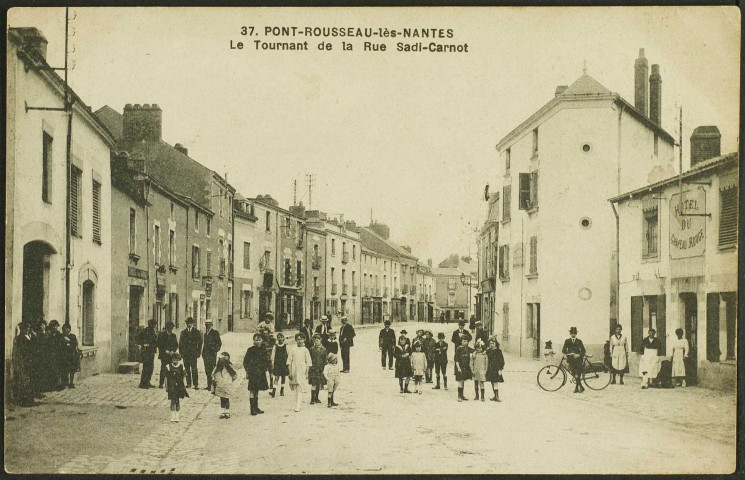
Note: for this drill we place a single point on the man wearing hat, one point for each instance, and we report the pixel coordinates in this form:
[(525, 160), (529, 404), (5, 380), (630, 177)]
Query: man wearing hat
[(461, 332), (323, 329), (575, 351), (346, 341), (148, 343), (387, 344), (167, 346), (190, 347), (212, 344), (307, 331), (481, 333)]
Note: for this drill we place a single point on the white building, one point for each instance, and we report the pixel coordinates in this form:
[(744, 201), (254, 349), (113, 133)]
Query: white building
[(37, 208), (557, 237), (680, 270)]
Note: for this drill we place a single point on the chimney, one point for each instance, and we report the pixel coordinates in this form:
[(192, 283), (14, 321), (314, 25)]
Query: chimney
[(33, 40), (181, 149), (142, 122), (705, 144), (641, 77), (350, 225), (655, 95), (560, 89), (297, 210), (381, 229)]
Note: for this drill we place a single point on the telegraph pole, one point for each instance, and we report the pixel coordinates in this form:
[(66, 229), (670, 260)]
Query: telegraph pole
[(68, 226)]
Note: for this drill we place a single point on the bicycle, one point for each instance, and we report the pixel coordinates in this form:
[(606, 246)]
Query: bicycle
[(594, 374)]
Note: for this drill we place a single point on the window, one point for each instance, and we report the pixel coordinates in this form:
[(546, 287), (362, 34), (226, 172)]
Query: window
[(89, 312), (721, 326), (196, 220), (173, 308), (172, 248), (209, 263), (333, 247), (288, 228), (207, 306), (528, 191), (353, 278), (96, 212), (506, 203), (156, 243), (172, 217), (75, 202), (245, 303), (534, 255), (46, 168), (288, 273), (221, 256), (195, 262), (656, 144), (267, 258), (504, 262), (535, 141), (354, 252), (246, 255), (452, 284), (507, 160), (533, 320), (132, 231), (209, 225), (651, 236), (299, 273), (268, 221), (728, 216), (505, 320), (451, 299)]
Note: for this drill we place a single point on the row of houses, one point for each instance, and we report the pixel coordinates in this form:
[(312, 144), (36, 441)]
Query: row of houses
[(125, 227), (613, 235)]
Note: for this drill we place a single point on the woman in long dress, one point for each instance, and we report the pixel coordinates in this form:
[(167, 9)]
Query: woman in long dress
[(619, 354), (680, 353), (648, 363)]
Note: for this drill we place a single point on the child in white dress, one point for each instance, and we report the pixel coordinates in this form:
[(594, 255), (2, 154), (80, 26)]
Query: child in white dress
[(298, 362)]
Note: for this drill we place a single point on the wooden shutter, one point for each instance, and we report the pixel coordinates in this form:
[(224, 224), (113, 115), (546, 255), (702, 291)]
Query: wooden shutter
[(637, 322), (507, 261), (74, 201), (661, 326), (728, 216), (96, 212), (712, 327), (506, 202), (524, 197), (533, 254), (209, 263), (533, 189), (506, 320)]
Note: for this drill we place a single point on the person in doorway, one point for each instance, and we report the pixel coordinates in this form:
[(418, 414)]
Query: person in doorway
[(298, 363), (441, 360), (387, 344), (212, 345), (619, 354), (279, 365), (494, 367), (190, 347), (70, 358), (256, 366), (460, 333), (403, 363), (346, 342), (680, 351), (223, 376), (307, 332), (323, 329), (148, 344), (462, 366), (649, 363), (23, 364), (318, 356), (331, 377), (175, 385), (428, 347), (167, 346), (575, 351), (418, 366)]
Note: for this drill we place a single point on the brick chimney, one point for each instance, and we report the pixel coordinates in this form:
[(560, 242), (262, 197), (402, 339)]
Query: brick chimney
[(655, 95), (142, 122), (560, 89), (181, 149), (297, 210), (641, 77), (706, 143), (381, 229), (32, 39)]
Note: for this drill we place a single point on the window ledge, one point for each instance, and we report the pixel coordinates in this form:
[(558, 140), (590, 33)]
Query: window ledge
[(505, 222), (507, 174), (731, 362), (727, 248), (173, 268), (98, 242), (88, 351), (531, 276), (532, 210), (651, 259), (534, 157)]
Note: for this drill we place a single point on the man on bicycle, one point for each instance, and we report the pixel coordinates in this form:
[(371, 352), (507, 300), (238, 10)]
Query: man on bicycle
[(575, 352)]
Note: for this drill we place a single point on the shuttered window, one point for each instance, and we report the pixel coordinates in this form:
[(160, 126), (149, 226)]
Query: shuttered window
[(246, 255), (209, 263), (534, 189), (505, 320), (97, 212), (504, 262), (75, 203), (132, 231), (46, 168), (506, 203), (533, 255), (195, 262), (728, 216), (651, 233)]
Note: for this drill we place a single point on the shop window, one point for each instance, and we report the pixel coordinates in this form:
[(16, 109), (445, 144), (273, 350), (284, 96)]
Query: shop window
[(721, 326), (648, 312)]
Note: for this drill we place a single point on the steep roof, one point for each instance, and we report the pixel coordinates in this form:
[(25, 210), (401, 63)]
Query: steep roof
[(378, 244), (585, 85), (112, 120)]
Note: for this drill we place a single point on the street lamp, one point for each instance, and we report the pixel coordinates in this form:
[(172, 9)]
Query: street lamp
[(466, 280)]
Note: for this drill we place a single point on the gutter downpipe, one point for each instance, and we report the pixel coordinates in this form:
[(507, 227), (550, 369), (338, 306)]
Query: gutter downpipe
[(616, 287)]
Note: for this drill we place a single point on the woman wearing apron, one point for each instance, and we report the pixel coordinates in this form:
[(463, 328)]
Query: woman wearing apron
[(648, 364), (619, 354)]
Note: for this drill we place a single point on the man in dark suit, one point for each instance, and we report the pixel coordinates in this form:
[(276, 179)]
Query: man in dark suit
[(190, 347), (346, 340), (148, 343), (387, 344), (307, 330), (481, 333), (460, 333), (167, 346), (212, 344), (574, 349), (323, 329)]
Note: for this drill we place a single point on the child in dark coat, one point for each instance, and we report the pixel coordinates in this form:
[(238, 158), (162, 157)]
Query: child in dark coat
[(175, 387), (403, 363), (441, 360), (494, 367), (318, 356), (462, 366), (256, 365), (428, 346)]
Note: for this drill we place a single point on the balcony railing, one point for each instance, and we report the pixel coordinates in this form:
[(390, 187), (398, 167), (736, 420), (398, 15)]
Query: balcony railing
[(345, 257), (316, 262), (344, 289), (396, 292), (333, 289), (385, 292), (404, 289), (354, 290)]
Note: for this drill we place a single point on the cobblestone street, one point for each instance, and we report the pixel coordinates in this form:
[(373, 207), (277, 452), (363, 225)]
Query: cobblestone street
[(375, 429)]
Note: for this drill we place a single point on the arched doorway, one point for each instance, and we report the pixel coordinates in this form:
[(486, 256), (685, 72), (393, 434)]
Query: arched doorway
[(36, 261)]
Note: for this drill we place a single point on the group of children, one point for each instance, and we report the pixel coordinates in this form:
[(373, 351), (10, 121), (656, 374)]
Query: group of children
[(419, 358)]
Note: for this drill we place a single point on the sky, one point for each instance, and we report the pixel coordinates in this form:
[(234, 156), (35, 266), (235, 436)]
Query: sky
[(405, 138)]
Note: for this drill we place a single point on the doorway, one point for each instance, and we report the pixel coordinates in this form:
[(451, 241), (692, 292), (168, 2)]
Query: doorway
[(135, 301), (689, 304), (265, 304), (89, 312), (35, 300)]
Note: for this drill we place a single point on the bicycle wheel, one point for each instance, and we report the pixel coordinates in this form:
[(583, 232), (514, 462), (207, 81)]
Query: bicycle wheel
[(596, 376), (551, 378)]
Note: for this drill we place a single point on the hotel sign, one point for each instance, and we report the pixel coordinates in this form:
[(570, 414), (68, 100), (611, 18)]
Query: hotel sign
[(688, 224)]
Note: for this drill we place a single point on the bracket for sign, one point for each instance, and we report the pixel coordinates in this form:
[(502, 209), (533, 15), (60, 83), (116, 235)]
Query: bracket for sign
[(691, 182), (694, 214)]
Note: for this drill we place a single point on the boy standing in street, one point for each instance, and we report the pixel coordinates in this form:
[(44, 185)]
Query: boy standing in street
[(441, 360)]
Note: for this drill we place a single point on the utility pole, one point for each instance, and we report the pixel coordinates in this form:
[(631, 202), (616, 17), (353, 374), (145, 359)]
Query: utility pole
[(294, 192), (68, 163), (309, 180), (680, 161)]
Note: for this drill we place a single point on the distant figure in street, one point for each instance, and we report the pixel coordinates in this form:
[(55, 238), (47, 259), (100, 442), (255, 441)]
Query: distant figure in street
[(548, 353), (494, 367), (428, 347), (472, 323), (403, 363), (680, 351), (212, 345), (459, 334), (256, 366), (441, 360), (442, 318), (387, 344), (190, 347), (54, 355), (648, 363), (70, 358), (619, 354), (167, 346), (574, 350), (279, 365), (307, 332), (418, 366), (331, 376), (346, 342), (23, 363), (315, 373), (298, 363), (223, 376), (148, 344), (479, 365), (462, 366), (175, 385)]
